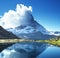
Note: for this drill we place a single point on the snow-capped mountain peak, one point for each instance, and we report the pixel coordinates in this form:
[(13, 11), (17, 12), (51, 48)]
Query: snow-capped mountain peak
[(21, 23)]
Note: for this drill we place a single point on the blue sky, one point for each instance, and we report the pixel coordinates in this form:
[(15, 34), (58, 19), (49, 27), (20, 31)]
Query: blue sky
[(46, 12)]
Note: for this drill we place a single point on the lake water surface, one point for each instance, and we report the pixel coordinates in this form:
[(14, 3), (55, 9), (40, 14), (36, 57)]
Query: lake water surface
[(50, 52)]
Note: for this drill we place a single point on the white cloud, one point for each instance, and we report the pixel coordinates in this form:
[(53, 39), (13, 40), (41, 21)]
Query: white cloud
[(14, 18)]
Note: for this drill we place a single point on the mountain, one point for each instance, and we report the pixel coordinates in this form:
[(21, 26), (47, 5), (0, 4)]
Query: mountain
[(5, 34), (56, 33), (30, 29), (22, 24)]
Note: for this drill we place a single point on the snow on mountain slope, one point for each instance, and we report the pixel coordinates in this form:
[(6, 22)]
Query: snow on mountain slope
[(56, 33)]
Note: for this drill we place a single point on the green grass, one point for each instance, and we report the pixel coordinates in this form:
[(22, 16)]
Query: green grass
[(52, 41)]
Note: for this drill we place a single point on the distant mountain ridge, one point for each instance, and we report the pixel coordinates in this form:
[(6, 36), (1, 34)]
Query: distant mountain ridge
[(56, 33)]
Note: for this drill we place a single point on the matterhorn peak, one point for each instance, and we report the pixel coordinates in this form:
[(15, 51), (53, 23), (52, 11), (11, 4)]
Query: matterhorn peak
[(21, 22)]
